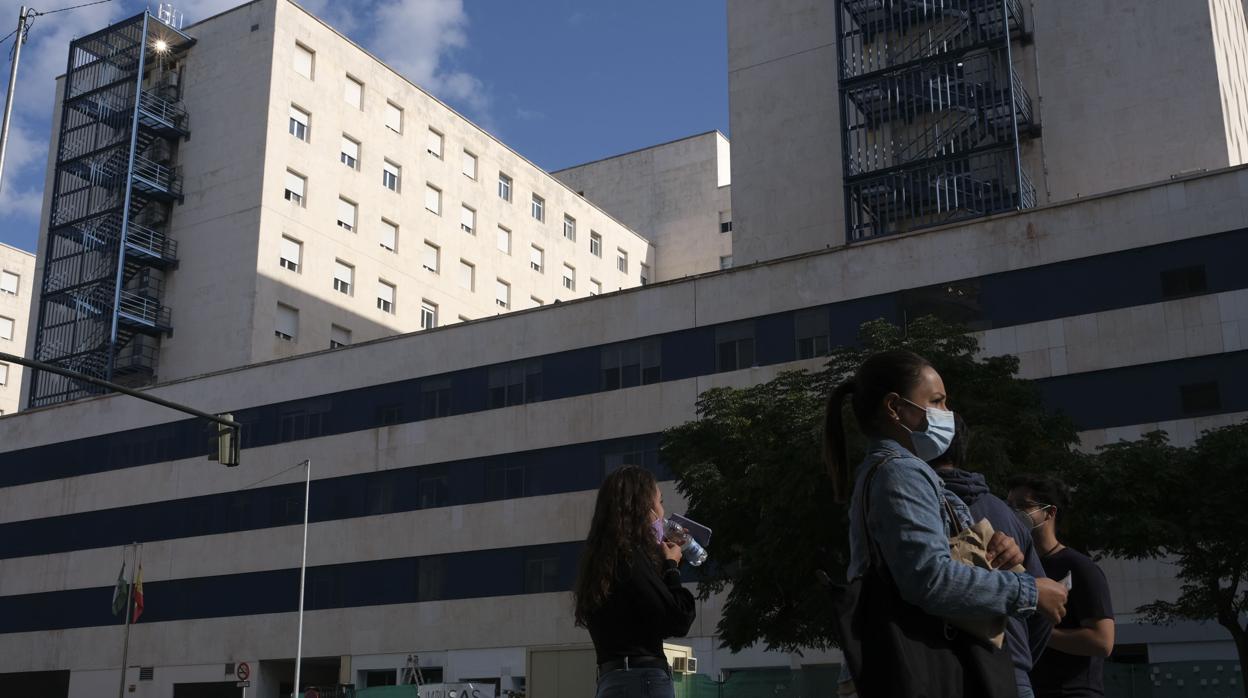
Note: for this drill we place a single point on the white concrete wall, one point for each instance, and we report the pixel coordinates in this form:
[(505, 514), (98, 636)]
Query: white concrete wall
[(16, 309), (671, 193), (784, 114), (1230, 37)]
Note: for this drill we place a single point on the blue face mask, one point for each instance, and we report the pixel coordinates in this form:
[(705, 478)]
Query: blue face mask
[(933, 441)]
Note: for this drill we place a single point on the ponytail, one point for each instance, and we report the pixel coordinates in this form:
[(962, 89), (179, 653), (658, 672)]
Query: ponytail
[(834, 449)]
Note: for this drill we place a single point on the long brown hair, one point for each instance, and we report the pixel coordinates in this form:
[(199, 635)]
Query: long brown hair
[(620, 529), (896, 371)]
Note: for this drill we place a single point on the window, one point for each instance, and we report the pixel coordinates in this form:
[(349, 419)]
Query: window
[(537, 302), (539, 208), (428, 315), (569, 277), (287, 326), (631, 364), (725, 262), (502, 293), (339, 336), (725, 221), (1200, 398), (430, 584), (389, 235), (292, 253), (541, 576), (433, 199), (467, 220), (1182, 282), (504, 480), (515, 383), (812, 331), (346, 215), (645, 273), (504, 240), (304, 60), (390, 173), (6, 328), (433, 144), (537, 258), (467, 275), (344, 276), (621, 260), (734, 346), (429, 257), (955, 302), (595, 244), (569, 227), (394, 117), (469, 165), (385, 296), (595, 287), (435, 397), (504, 187), (4, 374), (295, 187), (350, 155), (299, 120), (353, 92)]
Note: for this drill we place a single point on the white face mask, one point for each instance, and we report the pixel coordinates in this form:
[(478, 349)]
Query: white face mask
[(1028, 514), (933, 441)]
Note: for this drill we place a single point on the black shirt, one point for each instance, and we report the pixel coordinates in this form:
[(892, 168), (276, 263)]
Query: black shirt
[(1058, 674), (643, 607)]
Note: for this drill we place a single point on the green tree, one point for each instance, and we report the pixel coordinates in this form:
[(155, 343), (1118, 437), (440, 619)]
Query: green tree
[(1149, 499), (751, 469)]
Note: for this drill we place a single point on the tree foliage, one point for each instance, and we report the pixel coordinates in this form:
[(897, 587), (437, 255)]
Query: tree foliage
[(751, 469)]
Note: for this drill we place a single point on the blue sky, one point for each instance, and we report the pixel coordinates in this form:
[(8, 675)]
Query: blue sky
[(561, 81)]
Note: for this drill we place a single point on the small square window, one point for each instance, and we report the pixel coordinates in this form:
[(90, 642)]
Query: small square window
[(389, 235), (428, 315), (595, 287), (537, 259), (434, 144), (339, 337), (390, 175), (504, 187), (725, 262), (353, 92), (305, 59), (538, 208), (6, 328), (504, 240), (433, 199), (385, 297), (725, 221), (469, 165), (394, 117), (350, 152), (467, 220), (299, 120), (645, 273), (347, 213), (621, 261), (569, 277), (429, 259), (344, 277), (502, 293), (595, 244), (467, 275), (287, 324), (291, 254), (569, 228), (295, 187)]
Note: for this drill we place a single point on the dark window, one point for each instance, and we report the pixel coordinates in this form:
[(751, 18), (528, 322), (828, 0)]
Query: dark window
[(304, 420), (541, 575), (725, 227), (384, 677), (379, 495), (1200, 398), (286, 507), (515, 383), (389, 415), (956, 302), (811, 330), (1186, 281), (430, 580), (734, 346), (504, 481), (435, 397), (433, 491), (642, 450), (631, 364)]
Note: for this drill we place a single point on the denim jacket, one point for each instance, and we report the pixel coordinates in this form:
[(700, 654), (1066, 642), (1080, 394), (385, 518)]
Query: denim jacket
[(909, 525)]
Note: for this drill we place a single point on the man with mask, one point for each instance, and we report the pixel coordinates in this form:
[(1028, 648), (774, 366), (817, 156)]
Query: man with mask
[(1024, 638), (1074, 663)]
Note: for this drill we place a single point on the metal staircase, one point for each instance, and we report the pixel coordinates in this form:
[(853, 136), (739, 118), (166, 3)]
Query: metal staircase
[(932, 112), (115, 183)]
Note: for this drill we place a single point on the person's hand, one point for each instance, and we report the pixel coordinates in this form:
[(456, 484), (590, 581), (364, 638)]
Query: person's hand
[(1051, 599), (671, 551), (1003, 552)]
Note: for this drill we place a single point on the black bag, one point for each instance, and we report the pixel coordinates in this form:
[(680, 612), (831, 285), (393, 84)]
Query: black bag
[(893, 649)]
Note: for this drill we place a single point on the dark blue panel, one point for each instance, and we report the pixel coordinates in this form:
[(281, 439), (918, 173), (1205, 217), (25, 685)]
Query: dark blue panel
[(688, 353), (774, 339)]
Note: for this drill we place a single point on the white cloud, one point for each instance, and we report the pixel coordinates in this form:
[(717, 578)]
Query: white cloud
[(415, 37)]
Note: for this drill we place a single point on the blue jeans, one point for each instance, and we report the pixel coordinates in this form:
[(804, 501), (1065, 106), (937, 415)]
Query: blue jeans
[(1025, 692), (635, 683)]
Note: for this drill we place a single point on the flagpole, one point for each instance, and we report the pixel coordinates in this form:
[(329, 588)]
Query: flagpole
[(125, 648), (303, 568)]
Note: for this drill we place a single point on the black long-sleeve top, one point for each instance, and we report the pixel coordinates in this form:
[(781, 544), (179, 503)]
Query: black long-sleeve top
[(646, 604)]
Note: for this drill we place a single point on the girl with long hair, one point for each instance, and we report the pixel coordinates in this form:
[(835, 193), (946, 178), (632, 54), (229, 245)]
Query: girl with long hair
[(628, 593)]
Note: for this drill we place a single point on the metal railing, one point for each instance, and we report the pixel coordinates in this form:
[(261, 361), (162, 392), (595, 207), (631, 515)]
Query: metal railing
[(143, 309), (164, 110), (156, 175), (151, 242)]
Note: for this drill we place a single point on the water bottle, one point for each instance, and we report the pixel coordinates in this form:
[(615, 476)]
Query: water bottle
[(689, 548)]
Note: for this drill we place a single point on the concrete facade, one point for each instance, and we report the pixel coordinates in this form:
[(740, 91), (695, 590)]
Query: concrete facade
[(678, 195), (240, 84), (1123, 96), (484, 636), (17, 278)]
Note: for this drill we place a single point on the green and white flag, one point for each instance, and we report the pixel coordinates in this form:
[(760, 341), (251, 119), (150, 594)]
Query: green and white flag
[(120, 593)]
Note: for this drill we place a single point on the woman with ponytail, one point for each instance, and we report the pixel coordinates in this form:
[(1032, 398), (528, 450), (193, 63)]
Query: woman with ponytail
[(901, 520)]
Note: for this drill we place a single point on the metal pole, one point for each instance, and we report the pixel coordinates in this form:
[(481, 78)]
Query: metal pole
[(1009, 77), (41, 366), (303, 569), (18, 40), (125, 648)]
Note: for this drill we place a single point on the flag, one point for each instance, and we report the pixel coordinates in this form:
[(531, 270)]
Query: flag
[(119, 593), (138, 596)]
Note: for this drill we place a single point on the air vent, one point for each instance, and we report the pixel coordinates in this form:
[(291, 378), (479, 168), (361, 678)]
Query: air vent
[(146, 673)]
